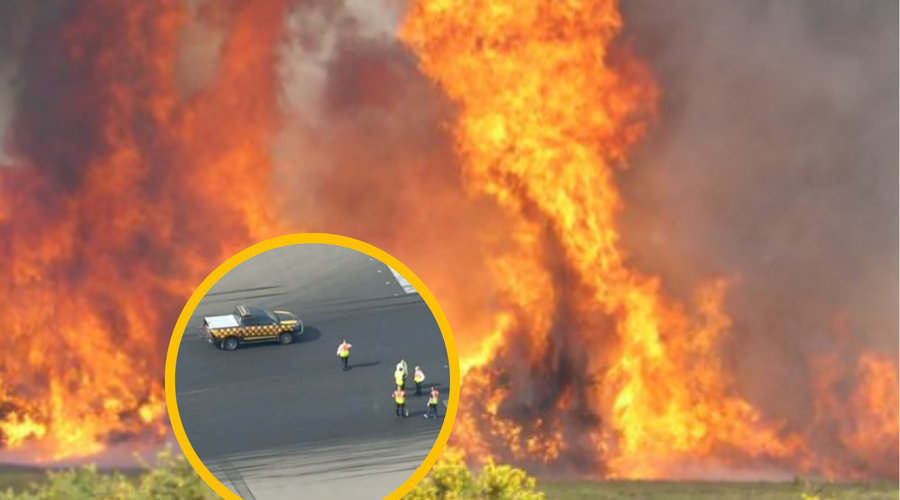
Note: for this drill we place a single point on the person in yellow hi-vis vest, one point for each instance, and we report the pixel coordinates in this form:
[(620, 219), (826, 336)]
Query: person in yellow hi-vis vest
[(401, 367), (433, 400), (418, 378), (400, 380), (344, 352), (399, 396)]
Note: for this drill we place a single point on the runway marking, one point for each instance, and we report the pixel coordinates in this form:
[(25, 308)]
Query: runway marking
[(198, 391), (238, 481), (402, 282), (446, 403)]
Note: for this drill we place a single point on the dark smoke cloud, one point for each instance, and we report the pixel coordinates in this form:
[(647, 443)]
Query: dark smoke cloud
[(776, 161), (17, 20), (17, 17)]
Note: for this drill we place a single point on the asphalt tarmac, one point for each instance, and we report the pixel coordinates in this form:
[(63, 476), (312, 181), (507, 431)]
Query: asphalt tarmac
[(280, 421)]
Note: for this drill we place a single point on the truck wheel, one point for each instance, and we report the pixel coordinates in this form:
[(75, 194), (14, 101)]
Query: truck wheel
[(285, 338), (230, 344)]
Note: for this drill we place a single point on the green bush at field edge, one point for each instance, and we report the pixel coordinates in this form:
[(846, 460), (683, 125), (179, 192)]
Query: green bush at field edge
[(172, 478)]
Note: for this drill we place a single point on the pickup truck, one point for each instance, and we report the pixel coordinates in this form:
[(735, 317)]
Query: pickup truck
[(249, 324)]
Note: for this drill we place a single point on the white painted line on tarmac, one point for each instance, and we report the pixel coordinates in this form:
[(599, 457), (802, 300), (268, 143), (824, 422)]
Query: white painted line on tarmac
[(197, 391), (403, 283)]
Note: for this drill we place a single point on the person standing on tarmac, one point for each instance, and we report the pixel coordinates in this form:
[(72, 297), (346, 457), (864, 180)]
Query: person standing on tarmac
[(433, 400), (418, 378), (344, 352), (399, 396), (401, 368)]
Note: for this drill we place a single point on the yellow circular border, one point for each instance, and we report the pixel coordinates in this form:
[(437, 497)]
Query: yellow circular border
[(297, 239)]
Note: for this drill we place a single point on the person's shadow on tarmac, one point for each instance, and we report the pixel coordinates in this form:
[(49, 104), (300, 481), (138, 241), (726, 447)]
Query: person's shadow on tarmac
[(352, 366)]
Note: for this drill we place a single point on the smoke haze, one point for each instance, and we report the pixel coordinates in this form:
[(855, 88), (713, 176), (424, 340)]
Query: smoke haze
[(775, 161)]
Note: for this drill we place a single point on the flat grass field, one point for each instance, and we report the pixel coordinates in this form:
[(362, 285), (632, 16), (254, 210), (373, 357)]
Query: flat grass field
[(19, 478)]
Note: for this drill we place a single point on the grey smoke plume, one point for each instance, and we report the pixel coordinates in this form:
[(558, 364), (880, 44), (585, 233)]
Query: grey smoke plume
[(775, 160), (17, 17)]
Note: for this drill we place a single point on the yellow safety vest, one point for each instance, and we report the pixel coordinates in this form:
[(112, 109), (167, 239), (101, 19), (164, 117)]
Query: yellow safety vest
[(433, 401), (398, 377), (345, 351), (400, 397), (420, 376)]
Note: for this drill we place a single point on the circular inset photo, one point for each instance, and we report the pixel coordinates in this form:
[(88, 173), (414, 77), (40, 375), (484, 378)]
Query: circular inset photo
[(312, 366)]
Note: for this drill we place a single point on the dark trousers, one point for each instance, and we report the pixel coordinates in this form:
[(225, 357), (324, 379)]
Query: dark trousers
[(432, 409), (401, 407), (345, 362), (418, 388)]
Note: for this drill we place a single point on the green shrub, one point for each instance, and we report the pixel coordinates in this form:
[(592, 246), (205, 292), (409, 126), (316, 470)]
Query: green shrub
[(454, 481), (172, 478)]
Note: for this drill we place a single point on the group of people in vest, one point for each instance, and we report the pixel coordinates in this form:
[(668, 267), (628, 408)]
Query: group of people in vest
[(399, 393), (400, 374)]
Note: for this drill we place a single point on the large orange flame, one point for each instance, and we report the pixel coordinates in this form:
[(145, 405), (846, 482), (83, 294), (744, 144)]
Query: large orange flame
[(121, 197), (549, 107)]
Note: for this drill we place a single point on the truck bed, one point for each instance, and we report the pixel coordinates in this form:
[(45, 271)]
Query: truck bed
[(217, 322)]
